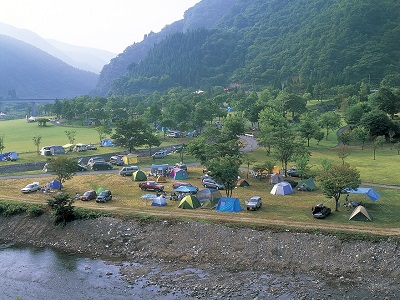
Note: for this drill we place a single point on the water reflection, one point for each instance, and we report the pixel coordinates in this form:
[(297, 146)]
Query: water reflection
[(32, 273)]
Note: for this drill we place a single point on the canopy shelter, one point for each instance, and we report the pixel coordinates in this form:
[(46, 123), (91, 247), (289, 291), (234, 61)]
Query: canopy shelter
[(186, 189), (148, 197), (370, 192)]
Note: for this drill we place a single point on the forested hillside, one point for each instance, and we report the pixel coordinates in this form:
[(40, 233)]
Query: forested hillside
[(28, 72), (256, 43)]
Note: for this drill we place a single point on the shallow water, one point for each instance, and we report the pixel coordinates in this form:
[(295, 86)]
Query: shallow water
[(31, 273)]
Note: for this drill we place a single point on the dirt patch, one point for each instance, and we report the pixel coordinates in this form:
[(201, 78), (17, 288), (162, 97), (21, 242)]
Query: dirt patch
[(262, 263)]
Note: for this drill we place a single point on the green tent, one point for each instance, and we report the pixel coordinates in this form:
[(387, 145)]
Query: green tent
[(189, 201), (308, 184), (139, 176), (210, 204)]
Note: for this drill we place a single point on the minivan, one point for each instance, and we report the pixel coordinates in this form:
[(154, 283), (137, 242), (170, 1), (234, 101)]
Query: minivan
[(116, 160), (128, 171), (159, 154)]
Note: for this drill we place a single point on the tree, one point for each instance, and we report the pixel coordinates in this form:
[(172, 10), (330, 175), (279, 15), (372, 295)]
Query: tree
[(71, 136), (131, 134), (103, 131), (335, 179), (37, 139), (343, 152), (376, 122), (361, 134), (61, 207), (346, 136), (308, 127), (2, 146), (225, 170), (377, 143), (330, 121), (63, 167)]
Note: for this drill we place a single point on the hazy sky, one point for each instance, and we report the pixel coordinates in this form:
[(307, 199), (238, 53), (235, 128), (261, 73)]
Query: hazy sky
[(104, 24)]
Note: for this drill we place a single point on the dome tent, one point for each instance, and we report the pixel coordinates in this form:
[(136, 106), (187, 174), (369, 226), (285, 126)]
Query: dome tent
[(282, 188), (189, 201), (139, 176)]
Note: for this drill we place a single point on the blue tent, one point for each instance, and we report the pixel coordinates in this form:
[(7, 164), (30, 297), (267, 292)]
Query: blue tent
[(55, 184), (370, 192), (159, 201), (229, 205)]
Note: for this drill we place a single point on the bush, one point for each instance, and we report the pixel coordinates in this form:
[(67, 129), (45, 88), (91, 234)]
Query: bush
[(34, 211)]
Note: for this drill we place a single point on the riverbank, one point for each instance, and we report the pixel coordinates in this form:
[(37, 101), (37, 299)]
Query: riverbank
[(210, 261)]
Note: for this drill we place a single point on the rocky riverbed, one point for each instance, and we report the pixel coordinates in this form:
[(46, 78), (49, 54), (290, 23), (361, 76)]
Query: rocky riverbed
[(210, 261)]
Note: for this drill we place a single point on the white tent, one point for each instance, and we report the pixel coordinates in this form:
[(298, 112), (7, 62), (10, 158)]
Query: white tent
[(282, 188)]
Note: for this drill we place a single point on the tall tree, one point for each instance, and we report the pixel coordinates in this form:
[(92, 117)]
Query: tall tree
[(225, 170), (334, 179), (131, 134), (330, 121), (37, 139)]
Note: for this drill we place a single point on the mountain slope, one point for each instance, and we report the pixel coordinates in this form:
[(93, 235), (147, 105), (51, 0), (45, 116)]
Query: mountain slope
[(83, 58), (33, 73), (265, 42), (205, 14)]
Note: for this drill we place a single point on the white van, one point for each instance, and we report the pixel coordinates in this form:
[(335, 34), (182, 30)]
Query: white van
[(128, 171)]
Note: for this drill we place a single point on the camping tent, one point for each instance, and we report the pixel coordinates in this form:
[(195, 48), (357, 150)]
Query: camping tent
[(309, 184), (370, 192), (360, 214), (189, 201), (161, 179), (159, 201), (229, 205), (159, 169), (282, 188), (242, 182), (276, 178), (130, 159), (55, 184), (179, 174), (210, 204), (139, 176), (208, 194), (107, 143)]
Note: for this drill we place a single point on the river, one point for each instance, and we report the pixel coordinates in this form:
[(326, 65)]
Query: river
[(37, 273)]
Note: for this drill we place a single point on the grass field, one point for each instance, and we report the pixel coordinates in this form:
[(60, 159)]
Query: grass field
[(291, 210)]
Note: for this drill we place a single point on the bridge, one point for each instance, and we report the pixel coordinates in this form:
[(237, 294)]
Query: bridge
[(29, 100)]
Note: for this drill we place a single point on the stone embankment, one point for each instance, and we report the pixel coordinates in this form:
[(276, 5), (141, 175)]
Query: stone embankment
[(211, 261)]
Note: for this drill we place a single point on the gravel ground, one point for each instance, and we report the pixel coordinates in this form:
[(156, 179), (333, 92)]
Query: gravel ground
[(208, 261)]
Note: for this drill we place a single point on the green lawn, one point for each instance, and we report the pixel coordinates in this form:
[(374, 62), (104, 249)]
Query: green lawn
[(293, 208)]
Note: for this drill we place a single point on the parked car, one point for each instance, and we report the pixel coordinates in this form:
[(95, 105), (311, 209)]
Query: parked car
[(159, 154), (91, 147), (89, 195), (151, 186), (254, 203), (116, 160), (98, 165), (210, 183), (181, 166), (32, 187), (128, 170), (94, 159), (293, 172), (320, 211), (104, 196)]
